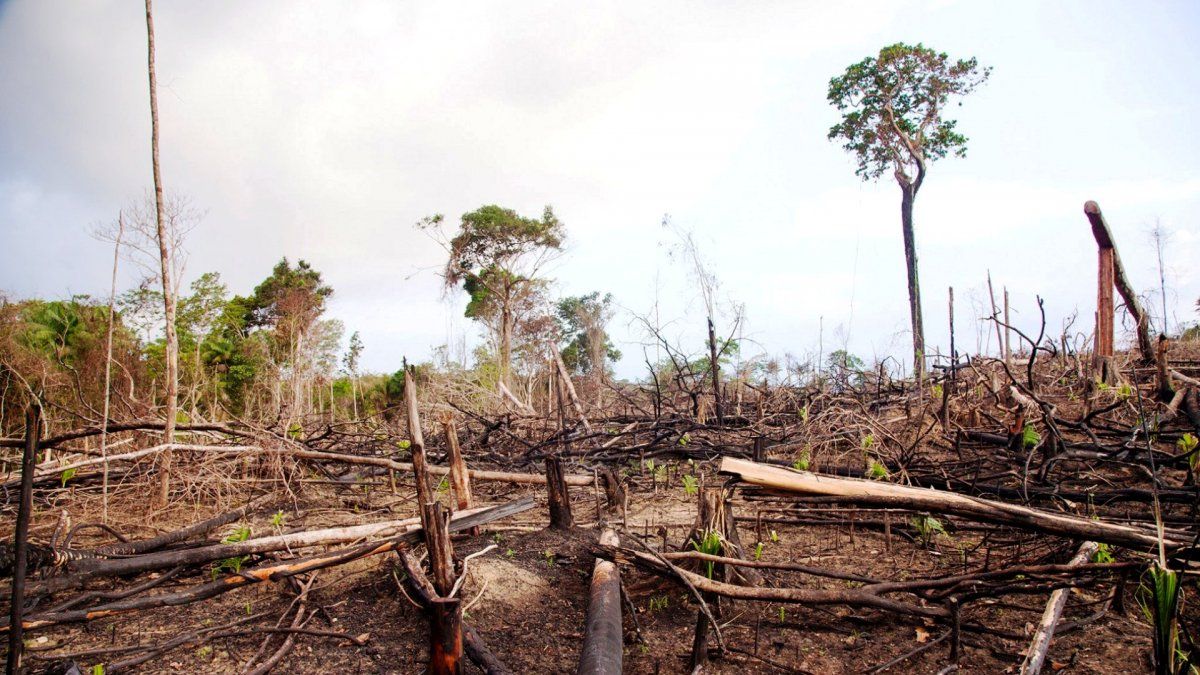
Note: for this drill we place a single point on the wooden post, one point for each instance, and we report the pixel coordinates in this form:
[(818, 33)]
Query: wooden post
[(1103, 351), (559, 498), (1007, 331), (614, 491), (33, 423), (437, 542), (603, 638), (714, 366)]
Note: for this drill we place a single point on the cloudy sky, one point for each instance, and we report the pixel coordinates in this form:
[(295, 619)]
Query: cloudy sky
[(324, 130)]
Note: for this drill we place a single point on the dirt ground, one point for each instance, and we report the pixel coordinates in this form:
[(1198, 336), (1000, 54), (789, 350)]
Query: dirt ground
[(528, 599)]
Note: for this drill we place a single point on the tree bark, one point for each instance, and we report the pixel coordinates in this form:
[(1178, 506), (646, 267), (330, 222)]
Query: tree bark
[(909, 196), (715, 368), (559, 498), (603, 638), (1104, 240), (164, 253)]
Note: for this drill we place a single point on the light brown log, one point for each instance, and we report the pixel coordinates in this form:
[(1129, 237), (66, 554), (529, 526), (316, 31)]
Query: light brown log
[(1035, 656), (460, 478), (570, 387), (417, 445), (878, 493)]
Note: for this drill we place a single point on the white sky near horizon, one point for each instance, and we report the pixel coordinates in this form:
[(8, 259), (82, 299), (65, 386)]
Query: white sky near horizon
[(324, 131)]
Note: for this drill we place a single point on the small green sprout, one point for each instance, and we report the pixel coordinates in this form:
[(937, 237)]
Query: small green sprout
[(66, 476), (509, 553), (876, 470), (659, 603), (710, 543), (803, 461), (758, 551), (690, 485), (927, 528), (774, 537), (404, 444), (549, 557), (1103, 554), (1030, 437), (278, 519), (782, 614)]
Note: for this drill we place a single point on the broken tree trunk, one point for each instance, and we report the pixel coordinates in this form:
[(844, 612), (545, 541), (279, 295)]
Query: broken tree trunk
[(875, 493), (1039, 647), (423, 593), (424, 494), (1115, 275), (603, 639), (33, 423), (460, 478), (445, 612), (570, 387), (558, 497)]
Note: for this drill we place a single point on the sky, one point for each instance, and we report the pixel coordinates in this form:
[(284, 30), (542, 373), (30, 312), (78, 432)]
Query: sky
[(324, 131)]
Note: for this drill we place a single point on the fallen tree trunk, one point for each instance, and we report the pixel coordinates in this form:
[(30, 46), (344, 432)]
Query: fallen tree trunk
[(603, 640), (876, 493), (578, 480), (405, 532), (1039, 647)]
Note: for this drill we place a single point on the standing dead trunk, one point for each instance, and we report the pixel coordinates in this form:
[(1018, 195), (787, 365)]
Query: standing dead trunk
[(1104, 240), (108, 348), (715, 368), (33, 422), (909, 196), (559, 498), (164, 253)]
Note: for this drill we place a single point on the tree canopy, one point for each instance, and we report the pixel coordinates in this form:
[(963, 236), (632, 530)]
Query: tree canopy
[(893, 109)]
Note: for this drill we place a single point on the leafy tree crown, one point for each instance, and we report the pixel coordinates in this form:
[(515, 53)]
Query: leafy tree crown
[(893, 107)]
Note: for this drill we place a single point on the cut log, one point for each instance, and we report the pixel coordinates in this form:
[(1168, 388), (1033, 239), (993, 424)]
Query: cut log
[(1039, 647), (875, 493), (603, 639)]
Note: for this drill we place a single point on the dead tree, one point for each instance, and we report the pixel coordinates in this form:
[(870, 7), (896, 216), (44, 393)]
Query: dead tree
[(1112, 273), (164, 252), (33, 421), (558, 497)]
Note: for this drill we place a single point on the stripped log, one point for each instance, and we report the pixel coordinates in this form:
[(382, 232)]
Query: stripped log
[(876, 493), (268, 572), (565, 376), (53, 474), (603, 639), (1039, 647), (406, 532)]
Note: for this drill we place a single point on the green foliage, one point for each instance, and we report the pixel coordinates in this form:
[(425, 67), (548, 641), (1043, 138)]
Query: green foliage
[(876, 470), (711, 543), (548, 557), (804, 461), (782, 614), (758, 550), (1103, 554), (1187, 446), (927, 527), (845, 370), (774, 537), (278, 519), (581, 323), (1030, 437), (659, 603), (893, 104), (98, 669), (233, 564), (936, 391), (1159, 598), (690, 485), (684, 440), (66, 476), (867, 441)]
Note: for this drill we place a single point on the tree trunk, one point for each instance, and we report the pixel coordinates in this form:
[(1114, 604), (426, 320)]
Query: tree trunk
[(715, 367), (164, 485), (914, 284), (108, 347)]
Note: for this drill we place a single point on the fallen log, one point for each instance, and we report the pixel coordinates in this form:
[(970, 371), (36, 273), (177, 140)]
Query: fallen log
[(876, 493), (406, 532), (1039, 646), (603, 639), (578, 480)]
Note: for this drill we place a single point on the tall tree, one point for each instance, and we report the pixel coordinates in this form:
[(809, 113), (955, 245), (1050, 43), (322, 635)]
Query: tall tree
[(164, 252), (496, 257), (893, 120), (583, 322), (350, 362)]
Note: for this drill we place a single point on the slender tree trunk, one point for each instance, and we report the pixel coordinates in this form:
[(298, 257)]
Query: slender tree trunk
[(505, 343), (108, 347), (164, 254), (914, 284), (715, 368)]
